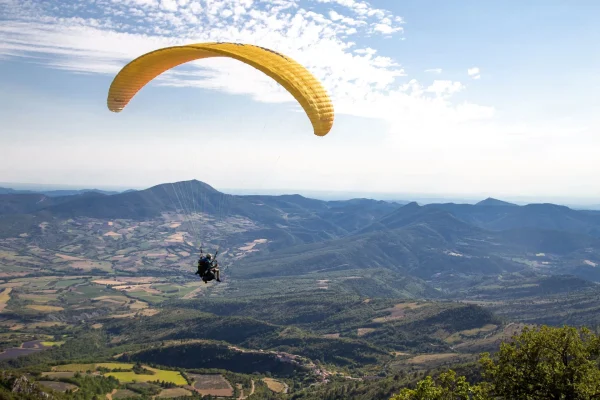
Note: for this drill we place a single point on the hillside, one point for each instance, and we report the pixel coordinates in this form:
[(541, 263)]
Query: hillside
[(420, 251), (55, 193), (538, 216), (12, 204), (197, 197), (494, 202), (22, 203), (283, 220)]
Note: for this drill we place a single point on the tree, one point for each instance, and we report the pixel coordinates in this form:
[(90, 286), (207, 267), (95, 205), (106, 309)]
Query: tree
[(539, 364), (449, 387), (546, 363)]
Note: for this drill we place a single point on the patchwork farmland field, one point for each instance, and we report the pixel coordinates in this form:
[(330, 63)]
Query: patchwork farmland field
[(58, 386), (214, 385), (91, 367), (275, 385), (174, 392), (159, 375)]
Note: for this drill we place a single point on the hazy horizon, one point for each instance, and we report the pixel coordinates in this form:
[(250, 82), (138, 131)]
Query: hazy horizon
[(421, 198)]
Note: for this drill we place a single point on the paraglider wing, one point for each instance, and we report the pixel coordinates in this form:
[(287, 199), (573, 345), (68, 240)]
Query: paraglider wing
[(296, 79)]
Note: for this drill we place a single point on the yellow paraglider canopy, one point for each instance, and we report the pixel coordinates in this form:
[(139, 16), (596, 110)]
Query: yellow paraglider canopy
[(296, 79)]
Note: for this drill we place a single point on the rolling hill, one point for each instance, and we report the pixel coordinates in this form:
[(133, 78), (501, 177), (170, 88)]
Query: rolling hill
[(418, 246), (494, 202), (55, 193), (29, 203), (285, 220), (413, 240), (539, 216)]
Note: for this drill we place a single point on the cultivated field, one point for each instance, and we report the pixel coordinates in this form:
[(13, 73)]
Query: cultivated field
[(214, 385), (57, 375), (4, 297), (123, 394), (399, 311), (159, 375), (275, 385), (91, 367), (46, 309), (58, 386), (174, 392)]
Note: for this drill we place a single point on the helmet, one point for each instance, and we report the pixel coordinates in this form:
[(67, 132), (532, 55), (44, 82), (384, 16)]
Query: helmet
[(209, 256)]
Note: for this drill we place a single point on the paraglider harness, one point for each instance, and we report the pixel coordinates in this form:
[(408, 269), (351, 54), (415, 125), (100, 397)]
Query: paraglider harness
[(208, 267)]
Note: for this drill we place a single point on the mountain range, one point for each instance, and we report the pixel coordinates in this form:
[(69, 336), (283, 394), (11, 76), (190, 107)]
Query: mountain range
[(56, 193), (423, 246)]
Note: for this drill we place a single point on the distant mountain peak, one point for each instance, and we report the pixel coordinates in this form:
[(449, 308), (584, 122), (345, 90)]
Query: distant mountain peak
[(193, 184), (494, 202)]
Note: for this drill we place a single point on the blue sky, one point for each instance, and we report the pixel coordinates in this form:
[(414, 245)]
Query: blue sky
[(464, 98)]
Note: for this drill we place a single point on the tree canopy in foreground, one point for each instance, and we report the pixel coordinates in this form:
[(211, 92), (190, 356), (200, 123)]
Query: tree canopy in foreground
[(538, 364)]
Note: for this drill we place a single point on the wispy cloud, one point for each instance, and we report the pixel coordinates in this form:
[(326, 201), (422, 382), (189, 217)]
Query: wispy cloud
[(101, 36), (445, 88), (434, 70), (474, 73)]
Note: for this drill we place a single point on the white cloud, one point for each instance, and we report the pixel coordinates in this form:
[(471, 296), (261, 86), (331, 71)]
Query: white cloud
[(169, 5), (368, 51), (386, 28), (474, 73), (441, 88), (195, 7), (360, 80), (346, 20), (434, 70)]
